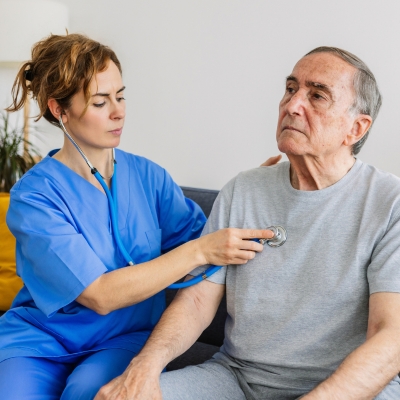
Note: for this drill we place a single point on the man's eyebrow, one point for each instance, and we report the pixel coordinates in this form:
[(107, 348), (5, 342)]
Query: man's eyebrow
[(107, 94), (318, 85), (291, 78), (321, 86)]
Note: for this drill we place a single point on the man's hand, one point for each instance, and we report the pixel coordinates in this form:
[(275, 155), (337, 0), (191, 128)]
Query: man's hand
[(140, 381), (271, 161)]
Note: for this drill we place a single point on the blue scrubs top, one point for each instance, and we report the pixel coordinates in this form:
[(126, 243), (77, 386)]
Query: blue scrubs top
[(64, 242)]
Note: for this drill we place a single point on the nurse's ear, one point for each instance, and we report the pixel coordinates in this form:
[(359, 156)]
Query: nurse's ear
[(56, 110)]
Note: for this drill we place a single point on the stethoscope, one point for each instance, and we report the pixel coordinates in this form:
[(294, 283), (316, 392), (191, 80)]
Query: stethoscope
[(277, 240)]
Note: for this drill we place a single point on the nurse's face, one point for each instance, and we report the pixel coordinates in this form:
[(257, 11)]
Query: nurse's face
[(101, 125)]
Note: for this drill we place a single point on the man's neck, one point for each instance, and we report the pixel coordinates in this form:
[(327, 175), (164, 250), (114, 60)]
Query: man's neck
[(312, 173)]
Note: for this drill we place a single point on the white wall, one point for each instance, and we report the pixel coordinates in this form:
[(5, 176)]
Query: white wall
[(204, 77)]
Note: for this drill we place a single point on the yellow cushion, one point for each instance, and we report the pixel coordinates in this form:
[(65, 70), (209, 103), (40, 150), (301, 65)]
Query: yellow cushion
[(10, 283)]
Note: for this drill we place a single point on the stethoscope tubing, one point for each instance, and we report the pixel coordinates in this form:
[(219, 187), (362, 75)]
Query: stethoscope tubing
[(113, 213), (112, 196), (197, 279), (114, 224)]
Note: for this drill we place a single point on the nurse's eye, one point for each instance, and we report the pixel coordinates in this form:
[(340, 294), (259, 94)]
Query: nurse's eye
[(119, 99), (99, 104)]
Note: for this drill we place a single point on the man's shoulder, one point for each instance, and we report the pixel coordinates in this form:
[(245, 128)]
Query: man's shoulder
[(371, 170), (259, 177), (264, 172), (380, 181)]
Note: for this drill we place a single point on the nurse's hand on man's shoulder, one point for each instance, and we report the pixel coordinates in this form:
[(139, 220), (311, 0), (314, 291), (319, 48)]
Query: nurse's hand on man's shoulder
[(271, 161), (138, 382), (231, 246)]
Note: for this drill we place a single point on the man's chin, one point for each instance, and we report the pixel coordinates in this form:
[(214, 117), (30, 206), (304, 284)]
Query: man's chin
[(290, 147)]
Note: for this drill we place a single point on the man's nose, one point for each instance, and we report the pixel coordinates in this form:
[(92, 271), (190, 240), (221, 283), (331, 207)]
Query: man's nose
[(296, 103)]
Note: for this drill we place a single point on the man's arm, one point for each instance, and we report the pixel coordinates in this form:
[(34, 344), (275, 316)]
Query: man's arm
[(369, 368), (184, 320)]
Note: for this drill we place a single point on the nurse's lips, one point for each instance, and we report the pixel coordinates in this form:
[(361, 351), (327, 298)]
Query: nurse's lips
[(116, 132)]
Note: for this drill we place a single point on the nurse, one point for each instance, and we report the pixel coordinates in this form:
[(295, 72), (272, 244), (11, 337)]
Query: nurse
[(82, 314)]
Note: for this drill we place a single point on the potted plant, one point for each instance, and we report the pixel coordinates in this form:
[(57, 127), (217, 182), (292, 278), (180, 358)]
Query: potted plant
[(17, 155)]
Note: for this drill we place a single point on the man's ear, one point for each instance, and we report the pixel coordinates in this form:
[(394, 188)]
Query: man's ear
[(56, 109), (360, 127)]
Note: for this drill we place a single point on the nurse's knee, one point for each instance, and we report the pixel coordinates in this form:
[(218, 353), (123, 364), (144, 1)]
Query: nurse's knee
[(84, 383), (81, 388), (94, 372), (31, 378)]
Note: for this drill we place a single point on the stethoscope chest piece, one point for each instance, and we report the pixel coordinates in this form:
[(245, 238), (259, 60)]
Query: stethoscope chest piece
[(279, 237)]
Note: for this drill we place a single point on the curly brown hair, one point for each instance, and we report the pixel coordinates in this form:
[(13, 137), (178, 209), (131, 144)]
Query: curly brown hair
[(60, 67)]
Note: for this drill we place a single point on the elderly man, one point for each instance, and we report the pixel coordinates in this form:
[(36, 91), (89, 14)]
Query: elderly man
[(318, 317)]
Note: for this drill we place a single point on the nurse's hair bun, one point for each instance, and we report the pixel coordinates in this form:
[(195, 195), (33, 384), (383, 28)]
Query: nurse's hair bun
[(60, 67)]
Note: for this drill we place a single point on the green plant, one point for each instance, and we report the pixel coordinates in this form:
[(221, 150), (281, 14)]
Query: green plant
[(14, 160)]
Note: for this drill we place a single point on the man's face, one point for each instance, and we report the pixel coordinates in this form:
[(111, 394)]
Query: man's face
[(314, 117)]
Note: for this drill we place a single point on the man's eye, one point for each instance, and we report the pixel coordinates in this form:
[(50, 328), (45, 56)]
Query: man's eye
[(317, 96), (290, 90), (99, 104), (120, 99)]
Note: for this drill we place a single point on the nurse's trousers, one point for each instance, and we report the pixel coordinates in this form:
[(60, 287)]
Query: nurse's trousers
[(31, 378)]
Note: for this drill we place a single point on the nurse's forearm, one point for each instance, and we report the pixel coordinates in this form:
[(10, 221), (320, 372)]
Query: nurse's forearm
[(133, 284), (130, 285)]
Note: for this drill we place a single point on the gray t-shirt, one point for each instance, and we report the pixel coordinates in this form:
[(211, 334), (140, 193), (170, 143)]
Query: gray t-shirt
[(296, 311)]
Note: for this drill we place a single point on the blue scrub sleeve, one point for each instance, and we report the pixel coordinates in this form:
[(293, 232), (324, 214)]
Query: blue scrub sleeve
[(180, 218), (54, 260)]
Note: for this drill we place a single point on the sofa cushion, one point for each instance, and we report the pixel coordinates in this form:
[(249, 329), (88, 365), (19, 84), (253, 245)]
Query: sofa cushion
[(197, 354), (10, 283)]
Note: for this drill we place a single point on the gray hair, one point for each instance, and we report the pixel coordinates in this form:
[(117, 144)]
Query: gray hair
[(368, 99)]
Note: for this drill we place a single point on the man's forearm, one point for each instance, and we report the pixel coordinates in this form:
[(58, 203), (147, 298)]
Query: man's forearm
[(178, 329), (365, 372), (181, 324)]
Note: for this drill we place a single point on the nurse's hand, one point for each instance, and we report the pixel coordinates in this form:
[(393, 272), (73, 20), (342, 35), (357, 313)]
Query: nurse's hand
[(231, 245), (138, 382), (271, 161)]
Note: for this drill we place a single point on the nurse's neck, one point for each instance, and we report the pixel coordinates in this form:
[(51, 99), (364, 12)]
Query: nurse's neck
[(101, 159)]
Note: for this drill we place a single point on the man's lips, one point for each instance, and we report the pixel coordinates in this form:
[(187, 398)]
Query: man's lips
[(290, 128)]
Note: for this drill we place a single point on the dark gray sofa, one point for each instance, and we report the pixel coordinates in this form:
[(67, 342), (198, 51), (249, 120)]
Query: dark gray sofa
[(211, 339)]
